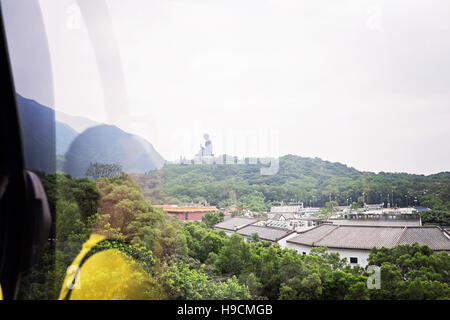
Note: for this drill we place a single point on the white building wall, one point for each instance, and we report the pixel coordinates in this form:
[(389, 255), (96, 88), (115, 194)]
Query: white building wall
[(361, 255), (300, 248)]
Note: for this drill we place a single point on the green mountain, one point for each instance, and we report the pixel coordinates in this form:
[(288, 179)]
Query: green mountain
[(310, 180), (37, 125), (110, 145), (43, 138)]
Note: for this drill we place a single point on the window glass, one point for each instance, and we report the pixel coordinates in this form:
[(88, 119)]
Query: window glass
[(32, 76), (160, 129)]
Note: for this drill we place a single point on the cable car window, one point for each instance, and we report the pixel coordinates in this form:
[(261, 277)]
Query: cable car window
[(163, 131)]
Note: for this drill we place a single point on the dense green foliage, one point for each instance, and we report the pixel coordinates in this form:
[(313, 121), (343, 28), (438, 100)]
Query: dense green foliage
[(185, 283), (269, 272), (190, 260), (115, 207), (412, 272), (123, 214), (73, 202), (312, 181), (212, 218)]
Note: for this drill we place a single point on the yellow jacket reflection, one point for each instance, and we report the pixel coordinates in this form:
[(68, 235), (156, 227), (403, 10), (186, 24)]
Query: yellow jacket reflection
[(107, 275)]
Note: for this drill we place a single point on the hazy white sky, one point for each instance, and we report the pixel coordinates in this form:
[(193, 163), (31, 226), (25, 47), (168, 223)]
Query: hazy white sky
[(365, 83)]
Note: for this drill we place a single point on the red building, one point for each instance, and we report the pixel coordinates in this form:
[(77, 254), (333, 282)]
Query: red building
[(186, 213)]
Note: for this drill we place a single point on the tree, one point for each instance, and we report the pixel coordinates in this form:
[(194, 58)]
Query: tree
[(339, 285), (254, 237), (233, 256), (212, 218), (124, 214), (253, 201), (184, 283), (411, 272), (201, 241), (330, 208), (358, 291), (307, 288), (254, 285), (354, 206)]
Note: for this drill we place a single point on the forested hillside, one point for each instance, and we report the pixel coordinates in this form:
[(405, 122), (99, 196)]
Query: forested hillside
[(312, 181), (192, 261)]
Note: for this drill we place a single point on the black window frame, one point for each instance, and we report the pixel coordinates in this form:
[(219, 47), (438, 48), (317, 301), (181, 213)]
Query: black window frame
[(354, 260), (12, 204), (22, 202)]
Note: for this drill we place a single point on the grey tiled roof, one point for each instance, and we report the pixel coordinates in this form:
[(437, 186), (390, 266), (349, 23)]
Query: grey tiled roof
[(278, 224), (265, 233), (430, 236), (277, 216), (312, 235), (235, 223), (376, 222), (361, 237), (367, 237), (288, 215)]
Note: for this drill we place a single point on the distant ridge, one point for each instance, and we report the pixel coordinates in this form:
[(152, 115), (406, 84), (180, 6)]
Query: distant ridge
[(37, 125), (64, 137), (110, 144), (44, 138), (77, 123), (312, 181)]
